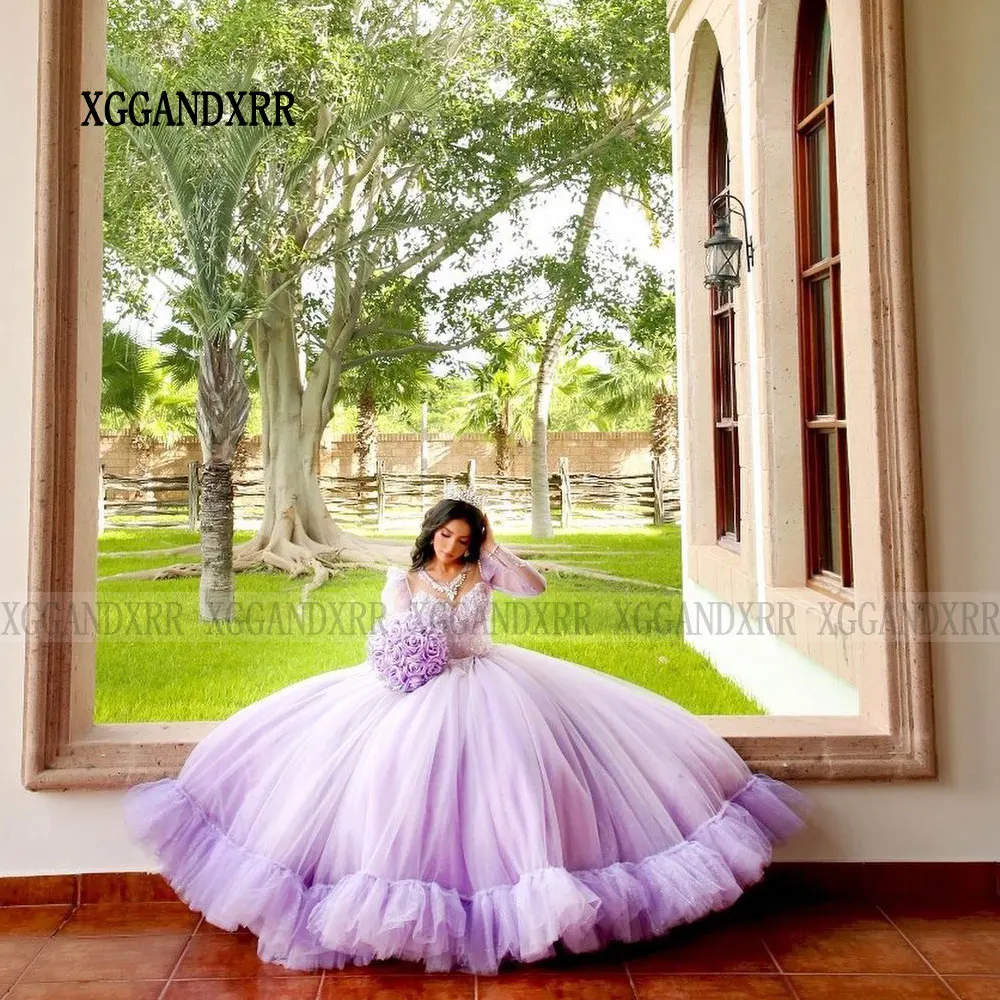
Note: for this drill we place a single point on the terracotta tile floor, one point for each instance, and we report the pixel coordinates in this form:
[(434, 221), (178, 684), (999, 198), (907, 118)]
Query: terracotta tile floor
[(809, 951)]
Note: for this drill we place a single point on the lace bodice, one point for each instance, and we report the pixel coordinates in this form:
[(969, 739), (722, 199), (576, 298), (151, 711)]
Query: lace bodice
[(467, 621)]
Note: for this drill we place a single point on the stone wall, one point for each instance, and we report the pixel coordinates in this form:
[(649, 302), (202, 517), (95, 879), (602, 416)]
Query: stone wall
[(623, 453)]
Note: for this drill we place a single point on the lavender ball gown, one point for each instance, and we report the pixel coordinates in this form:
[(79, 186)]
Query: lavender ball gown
[(514, 801)]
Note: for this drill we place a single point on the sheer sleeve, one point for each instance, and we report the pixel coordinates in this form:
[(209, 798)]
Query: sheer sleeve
[(507, 572), (396, 592)]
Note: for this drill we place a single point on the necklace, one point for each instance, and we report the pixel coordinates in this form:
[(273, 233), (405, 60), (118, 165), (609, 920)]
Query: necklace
[(450, 589)]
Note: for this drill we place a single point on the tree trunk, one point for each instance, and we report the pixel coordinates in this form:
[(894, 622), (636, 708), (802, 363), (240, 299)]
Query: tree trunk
[(217, 587), (548, 369), (366, 446), (297, 533), (541, 508), (663, 433), (222, 408), (502, 442)]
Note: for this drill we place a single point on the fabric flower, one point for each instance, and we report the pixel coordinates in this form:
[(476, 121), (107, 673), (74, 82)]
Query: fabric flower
[(405, 652)]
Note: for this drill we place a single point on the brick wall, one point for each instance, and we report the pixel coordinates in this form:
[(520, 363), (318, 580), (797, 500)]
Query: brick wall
[(608, 452)]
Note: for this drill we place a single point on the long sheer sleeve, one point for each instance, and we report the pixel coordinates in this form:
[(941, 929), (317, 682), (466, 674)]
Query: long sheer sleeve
[(507, 572), (396, 592)]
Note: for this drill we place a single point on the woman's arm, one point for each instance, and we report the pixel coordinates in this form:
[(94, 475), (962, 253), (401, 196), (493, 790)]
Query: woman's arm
[(505, 571), (396, 592)]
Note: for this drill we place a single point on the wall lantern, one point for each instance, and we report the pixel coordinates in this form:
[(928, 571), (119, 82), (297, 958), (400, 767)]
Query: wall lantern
[(722, 249)]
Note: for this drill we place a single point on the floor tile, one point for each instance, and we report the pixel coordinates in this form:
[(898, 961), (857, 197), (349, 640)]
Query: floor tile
[(956, 943), (273, 988), (927, 987), (839, 939), (38, 890), (16, 953), (118, 919), (87, 991), (715, 949), (373, 986), (607, 961), (541, 986), (29, 921), (975, 987), (227, 956), (124, 887), (65, 959), (718, 987), (206, 928), (382, 967)]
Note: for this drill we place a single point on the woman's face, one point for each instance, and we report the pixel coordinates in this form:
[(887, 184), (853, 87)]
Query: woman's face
[(452, 540)]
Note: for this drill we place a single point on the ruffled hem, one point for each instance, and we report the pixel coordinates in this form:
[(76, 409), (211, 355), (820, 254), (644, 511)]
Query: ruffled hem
[(363, 917)]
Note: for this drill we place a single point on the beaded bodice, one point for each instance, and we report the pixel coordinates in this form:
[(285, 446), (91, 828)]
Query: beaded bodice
[(466, 621)]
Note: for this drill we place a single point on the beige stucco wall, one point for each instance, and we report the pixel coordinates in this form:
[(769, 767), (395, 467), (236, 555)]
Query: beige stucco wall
[(956, 211), (770, 563)]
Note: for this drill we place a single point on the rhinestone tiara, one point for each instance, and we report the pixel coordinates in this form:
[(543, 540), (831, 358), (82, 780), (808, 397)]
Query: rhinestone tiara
[(452, 491)]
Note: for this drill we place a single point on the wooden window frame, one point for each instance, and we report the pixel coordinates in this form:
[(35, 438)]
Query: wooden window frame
[(811, 116), (726, 432), (62, 747)]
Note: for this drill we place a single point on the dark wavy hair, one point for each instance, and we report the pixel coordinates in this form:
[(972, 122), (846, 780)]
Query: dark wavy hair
[(439, 515)]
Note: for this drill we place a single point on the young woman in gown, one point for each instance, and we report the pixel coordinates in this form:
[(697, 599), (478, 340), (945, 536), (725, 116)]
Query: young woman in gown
[(514, 802)]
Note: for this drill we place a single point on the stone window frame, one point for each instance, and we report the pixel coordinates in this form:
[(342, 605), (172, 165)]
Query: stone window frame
[(64, 749), (728, 495), (894, 734), (820, 424)]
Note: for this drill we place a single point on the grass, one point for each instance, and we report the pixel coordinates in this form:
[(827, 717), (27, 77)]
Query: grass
[(156, 661)]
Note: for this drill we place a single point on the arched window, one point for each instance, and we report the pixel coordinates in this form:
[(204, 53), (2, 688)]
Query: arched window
[(826, 477), (725, 411)]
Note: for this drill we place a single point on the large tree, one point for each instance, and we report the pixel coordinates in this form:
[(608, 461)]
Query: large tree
[(420, 128)]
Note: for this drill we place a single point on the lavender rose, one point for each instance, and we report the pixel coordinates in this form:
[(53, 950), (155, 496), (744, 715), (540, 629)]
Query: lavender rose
[(435, 647), (412, 644)]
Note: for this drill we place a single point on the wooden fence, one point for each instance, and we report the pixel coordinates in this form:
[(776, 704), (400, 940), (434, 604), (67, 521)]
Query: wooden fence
[(398, 500)]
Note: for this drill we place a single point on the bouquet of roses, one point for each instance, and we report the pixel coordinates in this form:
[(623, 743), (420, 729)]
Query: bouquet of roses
[(406, 651)]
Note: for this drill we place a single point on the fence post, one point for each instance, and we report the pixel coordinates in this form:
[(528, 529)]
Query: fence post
[(380, 494), (565, 497), (193, 496), (101, 498), (657, 492)]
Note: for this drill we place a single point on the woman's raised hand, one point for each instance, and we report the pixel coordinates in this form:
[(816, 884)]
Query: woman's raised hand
[(489, 539)]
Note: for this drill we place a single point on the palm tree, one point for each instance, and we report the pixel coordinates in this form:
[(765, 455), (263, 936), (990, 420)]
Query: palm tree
[(128, 377), (139, 396), (500, 400), (642, 375), (204, 173), (379, 385)]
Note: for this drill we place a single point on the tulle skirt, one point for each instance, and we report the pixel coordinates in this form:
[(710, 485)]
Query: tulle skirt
[(515, 801)]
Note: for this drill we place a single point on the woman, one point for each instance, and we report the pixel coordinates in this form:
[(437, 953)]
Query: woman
[(510, 802)]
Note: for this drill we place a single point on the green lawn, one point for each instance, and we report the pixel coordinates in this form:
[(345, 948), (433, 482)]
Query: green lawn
[(156, 661)]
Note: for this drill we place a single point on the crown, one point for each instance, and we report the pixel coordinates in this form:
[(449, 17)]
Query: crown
[(452, 491)]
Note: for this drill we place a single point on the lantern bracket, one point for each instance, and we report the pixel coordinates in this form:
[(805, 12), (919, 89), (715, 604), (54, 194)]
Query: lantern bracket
[(721, 206)]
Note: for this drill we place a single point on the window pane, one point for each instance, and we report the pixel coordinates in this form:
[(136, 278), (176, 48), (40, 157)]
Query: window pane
[(728, 471), (731, 334), (821, 320), (823, 73), (818, 153), (718, 180), (724, 402), (828, 497)]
